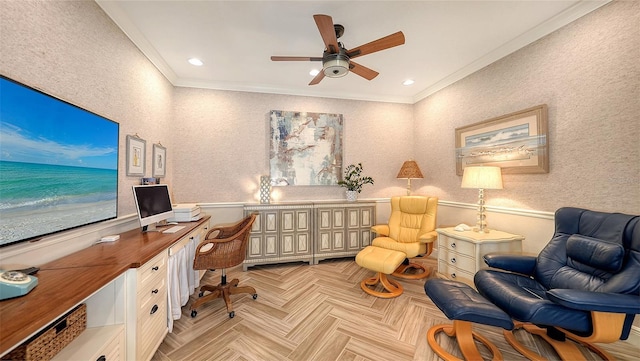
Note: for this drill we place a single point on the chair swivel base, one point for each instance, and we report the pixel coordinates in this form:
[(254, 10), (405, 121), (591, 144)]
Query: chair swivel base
[(465, 306), (462, 331), (224, 291), (392, 288), (411, 271), (382, 261), (567, 350)]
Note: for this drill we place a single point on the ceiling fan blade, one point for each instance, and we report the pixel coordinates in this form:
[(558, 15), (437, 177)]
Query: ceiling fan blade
[(387, 42), (295, 58), (328, 32), (317, 78), (362, 70)]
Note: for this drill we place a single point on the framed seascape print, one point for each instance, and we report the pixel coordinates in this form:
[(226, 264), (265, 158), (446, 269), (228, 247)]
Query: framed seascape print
[(159, 160), (305, 148), (516, 142), (136, 148)]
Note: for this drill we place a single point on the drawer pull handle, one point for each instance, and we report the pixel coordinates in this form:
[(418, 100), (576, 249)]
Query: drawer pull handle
[(453, 275), (102, 358), (155, 291), (154, 309), (453, 260), (155, 268), (453, 245)]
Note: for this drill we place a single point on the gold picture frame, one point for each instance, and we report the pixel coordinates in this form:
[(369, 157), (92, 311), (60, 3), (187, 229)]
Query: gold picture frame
[(516, 142)]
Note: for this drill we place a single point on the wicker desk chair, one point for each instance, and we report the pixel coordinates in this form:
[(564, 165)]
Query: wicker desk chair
[(222, 248)]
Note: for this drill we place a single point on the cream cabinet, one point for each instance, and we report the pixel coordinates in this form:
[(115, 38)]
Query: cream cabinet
[(308, 232), (460, 254), (280, 233), (151, 307), (342, 229)]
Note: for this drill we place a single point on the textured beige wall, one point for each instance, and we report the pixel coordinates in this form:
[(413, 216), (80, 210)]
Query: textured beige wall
[(588, 73), (221, 144), (72, 50)]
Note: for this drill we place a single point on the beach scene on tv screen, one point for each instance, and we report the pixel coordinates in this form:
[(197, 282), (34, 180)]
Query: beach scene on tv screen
[(58, 165)]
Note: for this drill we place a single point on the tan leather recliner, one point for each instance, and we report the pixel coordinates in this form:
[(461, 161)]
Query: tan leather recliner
[(411, 230)]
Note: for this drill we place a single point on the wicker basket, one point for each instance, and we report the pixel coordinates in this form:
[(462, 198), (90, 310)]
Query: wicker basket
[(48, 342)]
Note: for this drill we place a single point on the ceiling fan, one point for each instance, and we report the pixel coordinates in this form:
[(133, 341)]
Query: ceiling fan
[(336, 60)]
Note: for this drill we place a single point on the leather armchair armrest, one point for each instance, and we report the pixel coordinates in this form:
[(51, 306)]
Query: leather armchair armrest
[(428, 237), (595, 301), (512, 262), (381, 229)]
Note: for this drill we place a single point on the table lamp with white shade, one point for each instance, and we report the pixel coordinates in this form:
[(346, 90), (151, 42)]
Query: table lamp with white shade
[(482, 177)]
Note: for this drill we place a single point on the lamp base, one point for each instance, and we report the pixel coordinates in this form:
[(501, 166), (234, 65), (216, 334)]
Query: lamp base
[(481, 224)]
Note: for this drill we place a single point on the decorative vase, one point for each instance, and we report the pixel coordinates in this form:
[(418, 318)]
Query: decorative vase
[(352, 196), (265, 189)]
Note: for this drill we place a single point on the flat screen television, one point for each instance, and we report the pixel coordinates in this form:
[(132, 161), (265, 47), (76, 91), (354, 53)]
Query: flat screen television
[(58, 165), (153, 205)]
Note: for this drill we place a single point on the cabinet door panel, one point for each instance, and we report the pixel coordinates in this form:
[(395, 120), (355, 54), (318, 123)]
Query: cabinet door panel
[(271, 246), (366, 217), (303, 243), (255, 246), (288, 224), (354, 218), (324, 243), (271, 221), (338, 218), (287, 244), (303, 221), (354, 240), (324, 218)]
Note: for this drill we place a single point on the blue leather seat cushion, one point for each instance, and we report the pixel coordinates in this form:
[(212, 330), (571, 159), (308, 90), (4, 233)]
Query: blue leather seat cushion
[(525, 300), (460, 302)]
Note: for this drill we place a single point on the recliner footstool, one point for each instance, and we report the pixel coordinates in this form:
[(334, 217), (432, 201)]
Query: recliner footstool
[(464, 306), (384, 261)]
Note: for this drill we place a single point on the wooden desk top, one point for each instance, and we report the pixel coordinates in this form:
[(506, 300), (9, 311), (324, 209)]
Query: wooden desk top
[(67, 281)]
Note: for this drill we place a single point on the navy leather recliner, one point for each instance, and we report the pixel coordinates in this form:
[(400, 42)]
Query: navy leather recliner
[(586, 277)]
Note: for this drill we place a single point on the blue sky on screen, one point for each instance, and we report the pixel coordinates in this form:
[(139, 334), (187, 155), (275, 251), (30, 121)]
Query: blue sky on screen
[(36, 128)]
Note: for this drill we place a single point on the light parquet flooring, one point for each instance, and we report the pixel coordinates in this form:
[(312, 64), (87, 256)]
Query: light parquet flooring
[(320, 313)]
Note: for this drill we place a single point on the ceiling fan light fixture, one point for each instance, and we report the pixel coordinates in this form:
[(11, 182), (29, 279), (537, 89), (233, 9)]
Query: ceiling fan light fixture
[(335, 65)]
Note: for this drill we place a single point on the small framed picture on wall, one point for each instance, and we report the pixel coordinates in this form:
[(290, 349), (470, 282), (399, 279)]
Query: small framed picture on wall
[(159, 160), (136, 150)]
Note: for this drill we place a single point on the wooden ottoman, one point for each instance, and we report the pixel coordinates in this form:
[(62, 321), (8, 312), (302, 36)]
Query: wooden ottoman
[(384, 261)]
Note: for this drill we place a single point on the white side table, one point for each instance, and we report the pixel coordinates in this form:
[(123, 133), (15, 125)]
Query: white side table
[(460, 254)]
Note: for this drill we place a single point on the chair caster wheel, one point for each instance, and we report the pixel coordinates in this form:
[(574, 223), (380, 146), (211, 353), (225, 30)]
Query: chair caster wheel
[(232, 314), (201, 294), (193, 313), (255, 295)]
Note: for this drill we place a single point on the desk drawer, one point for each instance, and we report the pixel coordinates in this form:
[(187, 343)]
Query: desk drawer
[(150, 270), (151, 331), (147, 301), (457, 260), (457, 245), (455, 273)]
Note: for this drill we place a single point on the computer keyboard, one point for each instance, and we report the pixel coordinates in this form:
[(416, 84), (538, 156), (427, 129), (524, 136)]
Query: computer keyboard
[(173, 229)]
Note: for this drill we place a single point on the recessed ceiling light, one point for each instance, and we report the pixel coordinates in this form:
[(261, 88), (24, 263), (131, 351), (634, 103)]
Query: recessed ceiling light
[(314, 72), (195, 61), (408, 82)]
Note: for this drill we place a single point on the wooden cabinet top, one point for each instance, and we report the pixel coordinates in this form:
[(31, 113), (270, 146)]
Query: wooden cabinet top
[(67, 281)]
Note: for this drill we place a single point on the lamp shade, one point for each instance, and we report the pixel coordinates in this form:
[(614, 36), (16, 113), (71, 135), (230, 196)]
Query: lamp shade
[(410, 170), (482, 177)]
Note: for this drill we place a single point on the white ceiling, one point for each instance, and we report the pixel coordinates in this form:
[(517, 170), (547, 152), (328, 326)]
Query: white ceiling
[(445, 41)]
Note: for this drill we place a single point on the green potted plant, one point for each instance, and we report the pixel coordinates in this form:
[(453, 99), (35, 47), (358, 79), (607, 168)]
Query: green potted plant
[(353, 180)]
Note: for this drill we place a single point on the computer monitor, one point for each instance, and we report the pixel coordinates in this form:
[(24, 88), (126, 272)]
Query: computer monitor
[(153, 205)]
